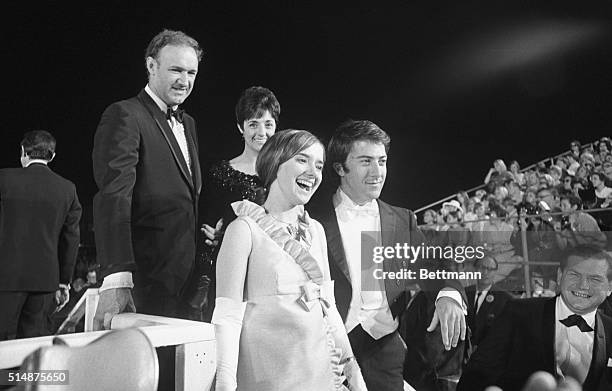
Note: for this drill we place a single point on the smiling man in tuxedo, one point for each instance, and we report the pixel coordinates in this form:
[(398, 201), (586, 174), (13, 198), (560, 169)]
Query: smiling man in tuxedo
[(565, 335), (146, 166), (357, 154)]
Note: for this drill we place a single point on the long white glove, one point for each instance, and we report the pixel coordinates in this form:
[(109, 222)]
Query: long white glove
[(227, 318), (351, 368), (354, 377)]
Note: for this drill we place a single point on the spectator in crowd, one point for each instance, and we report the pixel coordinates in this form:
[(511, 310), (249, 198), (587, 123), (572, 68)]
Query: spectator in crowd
[(532, 182), (498, 175), (572, 164), (485, 302), (566, 185), (563, 335), (514, 192), (481, 217), (39, 238), (562, 163), (515, 170), (549, 196), (580, 227), (430, 220), (456, 233), (601, 190), (607, 172), (481, 194), (496, 237), (500, 194), (575, 149), (556, 173), (470, 214)]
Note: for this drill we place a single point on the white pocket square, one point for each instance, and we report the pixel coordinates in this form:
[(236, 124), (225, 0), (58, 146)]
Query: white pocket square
[(609, 363)]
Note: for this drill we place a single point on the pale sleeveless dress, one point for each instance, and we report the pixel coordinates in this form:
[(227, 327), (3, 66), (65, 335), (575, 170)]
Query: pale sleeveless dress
[(283, 346)]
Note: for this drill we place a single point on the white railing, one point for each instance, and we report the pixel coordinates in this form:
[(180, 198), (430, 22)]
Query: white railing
[(195, 361)]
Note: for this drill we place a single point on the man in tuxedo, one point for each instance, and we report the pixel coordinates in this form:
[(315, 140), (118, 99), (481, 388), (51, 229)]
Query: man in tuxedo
[(39, 238), (565, 335), (485, 302), (146, 166), (357, 153)]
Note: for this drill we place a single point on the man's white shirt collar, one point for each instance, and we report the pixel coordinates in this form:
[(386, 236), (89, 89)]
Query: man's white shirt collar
[(160, 103), (341, 199), (32, 161), (562, 312)]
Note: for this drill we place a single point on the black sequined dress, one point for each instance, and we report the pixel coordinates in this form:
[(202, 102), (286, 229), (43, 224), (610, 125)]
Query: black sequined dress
[(223, 185)]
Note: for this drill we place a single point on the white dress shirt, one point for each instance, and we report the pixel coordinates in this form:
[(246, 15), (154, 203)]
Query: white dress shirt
[(368, 308), (573, 348), (177, 128)]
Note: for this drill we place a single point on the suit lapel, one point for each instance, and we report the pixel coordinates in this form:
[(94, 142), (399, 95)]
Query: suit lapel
[(162, 124), (388, 225), (548, 336), (599, 359), (334, 244)]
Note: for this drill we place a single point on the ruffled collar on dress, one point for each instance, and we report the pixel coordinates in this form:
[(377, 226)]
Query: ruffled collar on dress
[(297, 247)]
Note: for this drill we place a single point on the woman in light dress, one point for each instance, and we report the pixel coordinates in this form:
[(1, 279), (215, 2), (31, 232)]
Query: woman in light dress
[(276, 323)]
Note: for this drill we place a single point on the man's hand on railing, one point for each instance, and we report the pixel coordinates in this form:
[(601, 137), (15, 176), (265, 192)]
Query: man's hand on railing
[(112, 302)]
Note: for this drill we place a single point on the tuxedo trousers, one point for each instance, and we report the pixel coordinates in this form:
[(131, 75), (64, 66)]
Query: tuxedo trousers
[(381, 360), (24, 314)]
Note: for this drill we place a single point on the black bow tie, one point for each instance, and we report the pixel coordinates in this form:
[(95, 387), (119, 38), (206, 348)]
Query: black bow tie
[(178, 114), (577, 320)]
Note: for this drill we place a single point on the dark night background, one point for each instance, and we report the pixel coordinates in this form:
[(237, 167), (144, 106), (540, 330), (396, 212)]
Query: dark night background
[(455, 84)]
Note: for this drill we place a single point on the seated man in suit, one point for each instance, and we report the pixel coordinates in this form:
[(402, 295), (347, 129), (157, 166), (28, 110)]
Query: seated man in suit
[(485, 302), (565, 335)]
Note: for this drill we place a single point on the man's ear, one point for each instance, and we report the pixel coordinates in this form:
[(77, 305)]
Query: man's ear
[(559, 275), (339, 169), (151, 65)]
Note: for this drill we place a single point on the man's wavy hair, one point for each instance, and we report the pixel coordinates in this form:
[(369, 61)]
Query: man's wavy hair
[(346, 135), (170, 37)]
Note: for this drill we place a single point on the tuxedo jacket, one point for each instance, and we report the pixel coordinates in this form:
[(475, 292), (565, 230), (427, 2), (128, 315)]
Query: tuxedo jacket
[(492, 305), (39, 229), (146, 207), (398, 225), (522, 341)]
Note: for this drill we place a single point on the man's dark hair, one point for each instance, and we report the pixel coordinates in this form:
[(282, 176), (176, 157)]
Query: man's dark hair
[(350, 132), (39, 144), (254, 102), (586, 251), (170, 37)]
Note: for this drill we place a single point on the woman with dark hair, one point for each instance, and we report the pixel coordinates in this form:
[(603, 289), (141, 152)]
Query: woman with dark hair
[(257, 114), (276, 322)]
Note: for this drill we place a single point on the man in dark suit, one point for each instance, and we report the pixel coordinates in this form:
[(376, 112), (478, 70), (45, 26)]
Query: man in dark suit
[(370, 307), (565, 335), (485, 302), (39, 238), (146, 166)]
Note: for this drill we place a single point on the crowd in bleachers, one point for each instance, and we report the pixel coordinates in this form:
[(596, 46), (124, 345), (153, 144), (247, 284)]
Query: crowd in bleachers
[(552, 196)]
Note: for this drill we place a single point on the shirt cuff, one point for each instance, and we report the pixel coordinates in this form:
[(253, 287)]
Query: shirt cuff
[(455, 295), (117, 280)]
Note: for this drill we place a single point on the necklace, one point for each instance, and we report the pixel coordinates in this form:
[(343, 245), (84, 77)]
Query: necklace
[(298, 230)]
